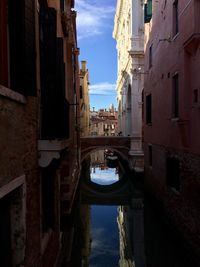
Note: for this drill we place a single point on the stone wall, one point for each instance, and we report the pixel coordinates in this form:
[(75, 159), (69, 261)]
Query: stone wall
[(181, 206), (19, 156)]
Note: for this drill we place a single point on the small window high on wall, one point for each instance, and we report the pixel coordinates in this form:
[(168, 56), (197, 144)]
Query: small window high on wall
[(175, 96), (148, 109), (173, 173), (175, 18), (148, 11)]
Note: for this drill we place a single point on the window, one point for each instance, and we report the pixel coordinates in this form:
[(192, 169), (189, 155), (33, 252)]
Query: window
[(17, 46), (150, 155), (150, 57), (81, 92), (55, 107), (148, 109), (173, 173), (195, 96), (5, 225), (12, 228), (175, 18), (48, 197), (62, 5), (175, 96), (148, 11)]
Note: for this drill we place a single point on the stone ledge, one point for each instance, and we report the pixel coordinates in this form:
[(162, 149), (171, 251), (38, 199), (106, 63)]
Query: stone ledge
[(50, 149), (9, 187), (12, 95)]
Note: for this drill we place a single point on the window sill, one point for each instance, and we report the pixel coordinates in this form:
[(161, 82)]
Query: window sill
[(175, 119), (12, 95), (179, 121)]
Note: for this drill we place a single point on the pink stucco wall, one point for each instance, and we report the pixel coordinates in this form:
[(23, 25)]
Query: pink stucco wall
[(170, 54)]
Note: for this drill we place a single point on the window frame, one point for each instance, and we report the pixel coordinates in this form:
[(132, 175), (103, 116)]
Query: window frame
[(149, 109), (175, 96), (175, 21)]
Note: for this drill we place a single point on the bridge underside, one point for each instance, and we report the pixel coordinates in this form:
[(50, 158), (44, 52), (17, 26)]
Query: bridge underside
[(117, 143), (116, 194)]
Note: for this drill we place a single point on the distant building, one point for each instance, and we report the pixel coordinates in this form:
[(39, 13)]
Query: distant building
[(84, 99), (171, 115), (104, 122)]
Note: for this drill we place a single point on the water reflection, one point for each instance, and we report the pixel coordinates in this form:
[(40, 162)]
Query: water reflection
[(114, 235), (105, 241), (104, 176)]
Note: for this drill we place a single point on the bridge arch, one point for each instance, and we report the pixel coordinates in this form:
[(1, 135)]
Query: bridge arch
[(114, 194), (123, 154), (119, 144)]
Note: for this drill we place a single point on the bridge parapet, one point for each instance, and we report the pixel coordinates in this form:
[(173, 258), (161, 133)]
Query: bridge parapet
[(120, 144), (116, 141)]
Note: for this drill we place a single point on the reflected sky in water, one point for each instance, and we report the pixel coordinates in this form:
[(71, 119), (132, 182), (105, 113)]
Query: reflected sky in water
[(105, 238), (104, 177)]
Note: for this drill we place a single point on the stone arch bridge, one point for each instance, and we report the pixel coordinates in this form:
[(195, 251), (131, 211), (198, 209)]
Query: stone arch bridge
[(120, 144)]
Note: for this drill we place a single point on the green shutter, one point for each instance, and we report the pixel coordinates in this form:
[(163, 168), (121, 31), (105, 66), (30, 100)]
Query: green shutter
[(148, 11)]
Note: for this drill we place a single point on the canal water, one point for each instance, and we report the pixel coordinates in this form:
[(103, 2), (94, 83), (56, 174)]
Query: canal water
[(133, 235), (105, 237)]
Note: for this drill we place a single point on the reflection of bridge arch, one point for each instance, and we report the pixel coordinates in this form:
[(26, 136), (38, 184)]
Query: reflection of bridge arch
[(119, 144), (118, 193)]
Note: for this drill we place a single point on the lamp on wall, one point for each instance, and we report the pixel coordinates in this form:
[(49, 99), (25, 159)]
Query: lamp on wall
[(139, 71)]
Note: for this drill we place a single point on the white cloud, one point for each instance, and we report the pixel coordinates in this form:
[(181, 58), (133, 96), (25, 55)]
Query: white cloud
[(92, 18), (104, 88)]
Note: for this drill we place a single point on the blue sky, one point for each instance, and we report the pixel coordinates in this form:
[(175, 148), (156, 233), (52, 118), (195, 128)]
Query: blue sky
[(95, 20)]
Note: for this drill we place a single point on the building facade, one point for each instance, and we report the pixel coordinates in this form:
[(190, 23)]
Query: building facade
[(39, 171), (84, 99), (171, 94), (129, 35)]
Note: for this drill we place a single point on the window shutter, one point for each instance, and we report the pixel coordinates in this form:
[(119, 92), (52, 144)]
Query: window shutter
[(29, 49), (16, 44), (62, 109), (22, 46), (148, 11), (3, 44), (48, 71)]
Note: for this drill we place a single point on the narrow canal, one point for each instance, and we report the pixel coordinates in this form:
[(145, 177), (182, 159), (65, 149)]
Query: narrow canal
[(134, 234)]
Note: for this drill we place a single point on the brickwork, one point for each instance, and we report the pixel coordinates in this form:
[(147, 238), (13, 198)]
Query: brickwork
[(182, 207), (18, 138), (22, 126)]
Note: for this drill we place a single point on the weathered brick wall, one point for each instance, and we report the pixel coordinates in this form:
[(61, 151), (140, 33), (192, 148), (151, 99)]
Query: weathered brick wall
[(18, 135), (182, 207), (18, 146)]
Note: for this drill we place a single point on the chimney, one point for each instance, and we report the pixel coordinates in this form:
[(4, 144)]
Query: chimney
[(83, 65)]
